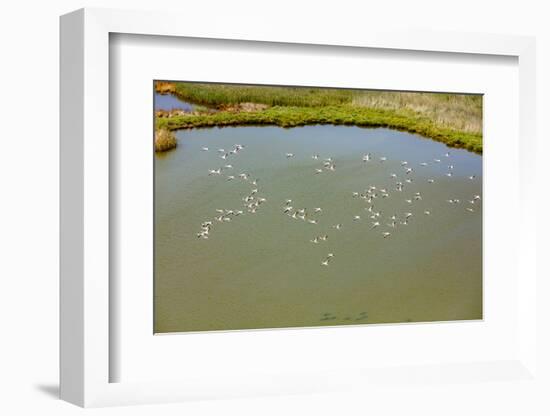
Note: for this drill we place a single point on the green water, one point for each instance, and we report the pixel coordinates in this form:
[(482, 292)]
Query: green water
[(261, 270)]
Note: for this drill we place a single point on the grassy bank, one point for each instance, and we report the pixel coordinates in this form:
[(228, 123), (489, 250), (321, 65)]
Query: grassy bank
[(453, 119)]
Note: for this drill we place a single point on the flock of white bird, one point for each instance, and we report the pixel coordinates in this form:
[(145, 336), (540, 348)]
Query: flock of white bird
[(252, 202)]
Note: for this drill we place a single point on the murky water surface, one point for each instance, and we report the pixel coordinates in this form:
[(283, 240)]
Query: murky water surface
[(264, 268)]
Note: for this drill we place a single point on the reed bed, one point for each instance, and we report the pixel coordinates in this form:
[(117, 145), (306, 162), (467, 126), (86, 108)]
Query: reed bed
[(220, 95), (456, 111)]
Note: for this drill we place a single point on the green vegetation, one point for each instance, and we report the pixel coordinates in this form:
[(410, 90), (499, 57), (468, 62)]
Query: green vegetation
[(219, 95), (454, 119), (164, 140)]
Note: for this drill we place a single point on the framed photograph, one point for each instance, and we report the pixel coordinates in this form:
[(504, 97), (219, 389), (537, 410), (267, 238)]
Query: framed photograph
[(275, 214)]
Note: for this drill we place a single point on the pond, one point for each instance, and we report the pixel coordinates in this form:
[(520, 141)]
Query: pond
[(270, 266)]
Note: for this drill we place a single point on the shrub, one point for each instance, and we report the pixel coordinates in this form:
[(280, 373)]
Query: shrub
[(164, 140)]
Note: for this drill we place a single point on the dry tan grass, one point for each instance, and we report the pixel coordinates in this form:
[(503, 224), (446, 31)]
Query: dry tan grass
[(164, 87), (456, 111), (164, 140)]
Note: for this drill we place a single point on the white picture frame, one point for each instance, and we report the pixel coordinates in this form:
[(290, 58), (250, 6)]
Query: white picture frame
[(85, 220)]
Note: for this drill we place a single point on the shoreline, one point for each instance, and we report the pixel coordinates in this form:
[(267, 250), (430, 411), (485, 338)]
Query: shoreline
[(452, 119), (288, 117)]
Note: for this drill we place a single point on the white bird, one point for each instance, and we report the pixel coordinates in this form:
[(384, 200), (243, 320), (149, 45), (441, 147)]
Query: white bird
[(404, 163), (317, 210), (386, 234), (224, 156), (476, 197), (366, 157), (214, 172), (431, 181), (408, 180), (289, 155), (315, 157), (450, 167), (408, 170), (447, 154), (472, 177), (221, 150), (355, 194), (287, 209), (423, 164), (205, 149), (315, 240), (470, 209), (326, 261), (383, 159), (437, 160), (356, 218), (230, 177), (427, 212), (408, 201), (393, 175), (375, 224), (449, 174), (408, 215), (221, 211), (323, 237), (317, 171), (337, 226), (228, 166), (312, 221)]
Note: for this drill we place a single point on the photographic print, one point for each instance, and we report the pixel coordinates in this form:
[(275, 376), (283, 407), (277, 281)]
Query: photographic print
[(285, 207)]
